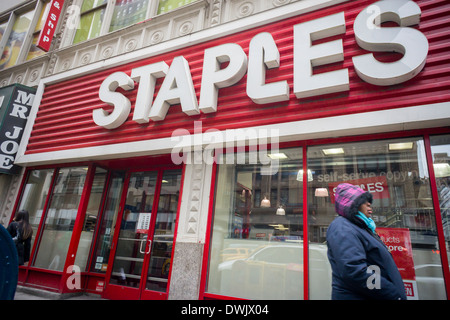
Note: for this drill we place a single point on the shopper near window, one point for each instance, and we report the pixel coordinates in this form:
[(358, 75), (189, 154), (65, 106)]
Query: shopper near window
[(21, 232), (362, 266)]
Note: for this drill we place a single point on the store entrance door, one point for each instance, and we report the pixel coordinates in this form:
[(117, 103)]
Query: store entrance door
[(144, 235)]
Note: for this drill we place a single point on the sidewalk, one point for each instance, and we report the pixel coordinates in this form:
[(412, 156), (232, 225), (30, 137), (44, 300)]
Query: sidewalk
[(26, 293)]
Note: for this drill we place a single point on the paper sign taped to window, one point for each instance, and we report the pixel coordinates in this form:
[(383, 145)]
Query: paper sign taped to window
[(143, 222)]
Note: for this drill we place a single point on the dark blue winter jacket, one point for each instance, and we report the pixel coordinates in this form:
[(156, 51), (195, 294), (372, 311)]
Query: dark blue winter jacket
[(351, 250), (357, 255)]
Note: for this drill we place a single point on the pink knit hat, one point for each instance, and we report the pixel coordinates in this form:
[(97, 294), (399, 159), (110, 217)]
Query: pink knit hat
[(348, 199)]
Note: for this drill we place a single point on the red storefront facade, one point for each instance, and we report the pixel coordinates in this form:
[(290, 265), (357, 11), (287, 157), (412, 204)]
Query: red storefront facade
[(300, 81)]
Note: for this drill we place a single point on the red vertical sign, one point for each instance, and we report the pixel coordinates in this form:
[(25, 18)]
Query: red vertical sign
[(48, 30)]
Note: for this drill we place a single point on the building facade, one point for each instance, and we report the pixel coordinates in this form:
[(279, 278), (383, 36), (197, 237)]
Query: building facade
[(191, 150)]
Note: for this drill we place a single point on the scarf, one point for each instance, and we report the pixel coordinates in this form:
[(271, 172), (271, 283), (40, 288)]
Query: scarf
[(368, 221)]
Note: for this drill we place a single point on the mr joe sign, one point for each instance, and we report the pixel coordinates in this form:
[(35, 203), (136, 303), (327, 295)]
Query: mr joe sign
[(15, 102)]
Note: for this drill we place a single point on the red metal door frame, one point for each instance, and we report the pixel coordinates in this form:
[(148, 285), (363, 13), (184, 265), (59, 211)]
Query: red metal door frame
[(77, 229), (438, 215), (76, 232), (41, 221), (113, 291), (109, 292)]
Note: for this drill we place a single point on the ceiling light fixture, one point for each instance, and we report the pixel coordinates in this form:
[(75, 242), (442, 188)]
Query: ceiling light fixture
[(277, 156), (333, 151), (401, 146)]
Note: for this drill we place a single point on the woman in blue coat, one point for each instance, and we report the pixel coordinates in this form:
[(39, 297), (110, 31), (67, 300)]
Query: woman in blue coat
[(362, 266)]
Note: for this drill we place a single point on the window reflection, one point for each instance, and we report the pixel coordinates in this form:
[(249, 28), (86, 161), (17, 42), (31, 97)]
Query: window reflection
[(163, 234), (60, 218), (34, 195), (91, 19), (256, 249), (440, 148), (16, 39), (108, 221), (130, 252), (168, 5), (128, 12), (34, 50), (395, 172), (90, 220)]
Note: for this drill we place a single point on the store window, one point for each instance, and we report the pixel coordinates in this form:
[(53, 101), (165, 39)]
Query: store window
[(34, 195), (256, 251), (440, 148), (16, 39), (90, 219), (60, 218), (108, 221), (395, 172)]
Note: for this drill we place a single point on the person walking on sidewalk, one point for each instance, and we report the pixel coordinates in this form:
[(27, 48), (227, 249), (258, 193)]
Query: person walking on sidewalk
[(357, 254), (21, 232)]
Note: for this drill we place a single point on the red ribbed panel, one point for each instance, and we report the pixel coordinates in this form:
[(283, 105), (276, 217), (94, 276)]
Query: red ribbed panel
[(64, 120)]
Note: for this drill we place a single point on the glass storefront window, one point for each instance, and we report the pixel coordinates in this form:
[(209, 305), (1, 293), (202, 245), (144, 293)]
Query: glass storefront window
[(16, 39), (395, 172), (440, 149), (256, 251), (90, 220), (60, 218), (108, 222), (128, 12), (34, 195), (91, 19)]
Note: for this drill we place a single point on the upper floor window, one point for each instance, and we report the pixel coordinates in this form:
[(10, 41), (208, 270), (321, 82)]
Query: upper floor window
[(98, 17), (16, 39), (128, 12), (92, 14), (34, 50), (168, 5), (3, 26), (19, 33)]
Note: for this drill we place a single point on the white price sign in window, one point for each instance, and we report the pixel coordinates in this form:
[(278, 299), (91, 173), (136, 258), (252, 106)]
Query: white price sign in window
[(143, 222)]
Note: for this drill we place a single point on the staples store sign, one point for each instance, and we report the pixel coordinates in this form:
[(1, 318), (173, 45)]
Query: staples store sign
[(377, 186), (178, 88)]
